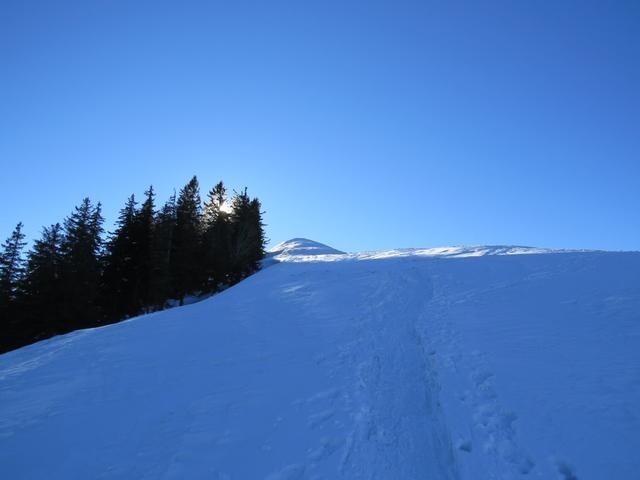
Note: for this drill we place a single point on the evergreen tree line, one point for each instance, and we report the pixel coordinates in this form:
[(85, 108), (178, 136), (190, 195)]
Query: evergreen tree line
[(74, 278)]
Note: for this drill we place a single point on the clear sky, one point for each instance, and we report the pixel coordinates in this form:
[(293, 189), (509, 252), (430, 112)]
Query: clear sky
[(364, 125)]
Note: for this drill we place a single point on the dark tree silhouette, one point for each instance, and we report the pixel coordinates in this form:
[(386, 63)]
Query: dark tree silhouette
[(11, 272), (215, 240), (186, 266), (81, 266), (143, 240), (42, 287), (161, 247), (72, 280), (247, 236), (119, 292)]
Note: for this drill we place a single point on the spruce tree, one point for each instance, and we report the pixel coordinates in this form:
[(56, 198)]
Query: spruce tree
[(11, 265), (186, 265), (81, 266), (216, 238), (248, 238), (42, 286), (11, 272), (143, 240), (161, 248), (216, 198), (119, 295)]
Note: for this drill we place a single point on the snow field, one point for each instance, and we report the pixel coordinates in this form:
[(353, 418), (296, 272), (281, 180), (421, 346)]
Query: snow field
[(451, 363)]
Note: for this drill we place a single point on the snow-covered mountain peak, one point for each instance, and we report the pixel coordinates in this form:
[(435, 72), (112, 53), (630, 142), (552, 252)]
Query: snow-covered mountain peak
[(303, 246)]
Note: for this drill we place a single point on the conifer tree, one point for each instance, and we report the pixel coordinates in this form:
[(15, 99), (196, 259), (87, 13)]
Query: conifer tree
[(81, 267), (161, 248), (11, 265), (143, 240), (248, 238), (11, 272), (42, 286), (186, 265), (216, 198), (216, 238), (119, 295)]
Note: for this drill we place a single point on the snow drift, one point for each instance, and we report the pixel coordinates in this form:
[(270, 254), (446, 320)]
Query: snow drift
[(453, 363)]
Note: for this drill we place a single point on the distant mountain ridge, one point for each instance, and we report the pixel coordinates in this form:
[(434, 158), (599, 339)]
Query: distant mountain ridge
[(297, 249)]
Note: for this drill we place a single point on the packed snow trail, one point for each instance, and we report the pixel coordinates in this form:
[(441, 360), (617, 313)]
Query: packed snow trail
[(452, 363)]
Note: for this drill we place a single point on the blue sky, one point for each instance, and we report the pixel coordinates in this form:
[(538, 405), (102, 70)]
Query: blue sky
[(364, 125)]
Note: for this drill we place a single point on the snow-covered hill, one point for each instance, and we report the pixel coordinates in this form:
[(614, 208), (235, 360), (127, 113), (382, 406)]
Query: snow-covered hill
[(453, 363)]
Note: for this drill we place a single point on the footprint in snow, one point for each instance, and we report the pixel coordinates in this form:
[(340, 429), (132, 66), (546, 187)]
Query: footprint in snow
[(318, 419), (327, 447), (566, 471), (464, 445)]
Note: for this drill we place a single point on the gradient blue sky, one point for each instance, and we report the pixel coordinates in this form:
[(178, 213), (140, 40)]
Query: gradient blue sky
[(364, 125)]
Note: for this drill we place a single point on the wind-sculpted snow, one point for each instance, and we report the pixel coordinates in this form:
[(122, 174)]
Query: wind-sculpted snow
[(452, 363), (303, 250)]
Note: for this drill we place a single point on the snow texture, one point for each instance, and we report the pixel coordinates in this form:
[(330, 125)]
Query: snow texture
[(450, 363)]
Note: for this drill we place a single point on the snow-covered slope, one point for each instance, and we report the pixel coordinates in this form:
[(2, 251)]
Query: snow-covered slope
[(460, 363)]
